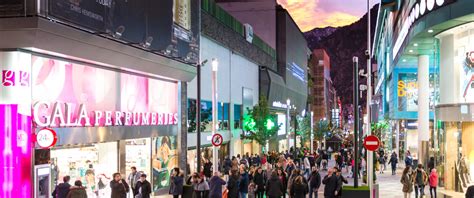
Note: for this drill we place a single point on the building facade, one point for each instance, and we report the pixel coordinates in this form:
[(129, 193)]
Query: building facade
[(324, 94), (423, 49)]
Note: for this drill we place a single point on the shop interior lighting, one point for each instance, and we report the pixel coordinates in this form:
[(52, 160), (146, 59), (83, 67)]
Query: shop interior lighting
[(411, 51), (404, 60), (147, 42), (119, 31), (430, 31), (416, 44)]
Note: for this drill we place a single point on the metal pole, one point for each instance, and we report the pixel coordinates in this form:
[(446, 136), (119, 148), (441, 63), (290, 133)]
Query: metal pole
[(370, 156), (215, 124), (312, 133), (355, 99), (295, 155), (288, 122), (198, 118)]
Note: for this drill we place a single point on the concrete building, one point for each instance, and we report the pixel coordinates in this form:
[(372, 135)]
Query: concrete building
[(324, 94)]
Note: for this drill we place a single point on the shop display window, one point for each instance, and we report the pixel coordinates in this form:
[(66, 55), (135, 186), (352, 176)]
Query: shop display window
[(138, 154), (92, 164)]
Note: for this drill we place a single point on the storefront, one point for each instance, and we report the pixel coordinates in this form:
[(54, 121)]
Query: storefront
[(106, 121), (436, 39)]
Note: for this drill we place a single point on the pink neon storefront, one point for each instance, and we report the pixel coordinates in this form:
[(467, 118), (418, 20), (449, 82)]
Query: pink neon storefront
[(106, 121)]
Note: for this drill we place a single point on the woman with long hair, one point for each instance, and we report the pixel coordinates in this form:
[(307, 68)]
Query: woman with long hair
[(407, 181)]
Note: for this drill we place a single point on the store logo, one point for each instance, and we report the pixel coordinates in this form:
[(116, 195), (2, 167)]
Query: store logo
[(11, 78), (418, 10), (407, 88), (63, 115)]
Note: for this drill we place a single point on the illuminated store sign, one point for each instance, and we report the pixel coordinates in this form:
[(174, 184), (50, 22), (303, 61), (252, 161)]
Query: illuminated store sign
[(64, 115), (418, 10), (279, 104)]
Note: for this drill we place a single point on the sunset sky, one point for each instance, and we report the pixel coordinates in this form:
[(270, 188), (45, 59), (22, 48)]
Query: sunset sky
[(309, 14)]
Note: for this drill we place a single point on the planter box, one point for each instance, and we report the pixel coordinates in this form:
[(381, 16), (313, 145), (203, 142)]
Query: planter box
[(351, 192)]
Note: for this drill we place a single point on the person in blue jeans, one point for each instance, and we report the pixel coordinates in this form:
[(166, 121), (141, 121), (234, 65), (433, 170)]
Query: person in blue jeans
[(244, 182), (421, 179)]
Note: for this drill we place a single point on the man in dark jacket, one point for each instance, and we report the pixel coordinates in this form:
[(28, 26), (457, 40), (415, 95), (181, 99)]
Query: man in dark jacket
[(143, 187), (244, 182), (314, 183), (331, 184), (215, 186), (177, 182), (62, 189), (119, 187), (259, 181), (274, 186), (233, 184), (227, 165), (470, 192)]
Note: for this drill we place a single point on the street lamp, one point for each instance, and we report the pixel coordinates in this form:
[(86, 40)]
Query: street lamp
[(288, 102), (198, 114), (312, 134), (215, 124), (370, 161)]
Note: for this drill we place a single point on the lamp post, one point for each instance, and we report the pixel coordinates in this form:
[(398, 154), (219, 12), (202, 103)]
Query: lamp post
[(370, 163), (288, 122), (312, 135), (198, 115), (355, 98), (215, 124)]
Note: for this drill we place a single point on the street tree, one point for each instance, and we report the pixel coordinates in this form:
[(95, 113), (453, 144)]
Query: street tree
[(259, 123)]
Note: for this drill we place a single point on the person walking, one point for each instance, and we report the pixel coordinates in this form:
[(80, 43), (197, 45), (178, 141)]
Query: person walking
[(274, 187), (307, 167), (407, 182), (200, 187), (176, 183), (433, 182), (62, 189), (143, 187), (393, 162), (259, 181), (283, 179), (233, 184), (299, 189), (382, 163), (215, 186), (77, 191), (244, 183), (227, 167), (408, 159), (340, 180), (421, 179), (119, 186), (330, 181), (207, 169), (133, 178), (314, 183)]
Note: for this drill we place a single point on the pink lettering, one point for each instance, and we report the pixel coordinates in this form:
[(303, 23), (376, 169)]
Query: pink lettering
[(128, 116), (118, 118), (98, 116), (153, 118), (8, 78), (175, 118), (136, 118), (24, 79), (108, 118)]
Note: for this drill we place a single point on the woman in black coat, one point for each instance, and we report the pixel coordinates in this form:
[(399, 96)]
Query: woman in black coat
[(233, 184), (177, 181), (260, 182), (299, 189), (275, 188), (119, 186)]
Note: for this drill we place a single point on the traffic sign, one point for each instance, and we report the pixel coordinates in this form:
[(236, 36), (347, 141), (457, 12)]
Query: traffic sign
[(371, 143), (217, 139), (46, 138)]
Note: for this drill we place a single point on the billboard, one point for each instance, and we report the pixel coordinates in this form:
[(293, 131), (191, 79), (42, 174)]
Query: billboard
[(407, 91), (170, 27)]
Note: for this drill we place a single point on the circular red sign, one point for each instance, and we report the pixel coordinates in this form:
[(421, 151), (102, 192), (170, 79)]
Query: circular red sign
[(371, 143), (46, 138), (217, 139)]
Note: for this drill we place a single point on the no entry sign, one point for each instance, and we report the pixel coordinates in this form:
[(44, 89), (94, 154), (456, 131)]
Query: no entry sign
[(371, 143), (217, 139)]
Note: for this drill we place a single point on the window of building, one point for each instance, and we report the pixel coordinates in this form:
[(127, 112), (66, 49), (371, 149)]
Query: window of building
[(237, 116)]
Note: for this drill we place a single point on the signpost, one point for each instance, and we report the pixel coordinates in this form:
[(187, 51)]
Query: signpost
[(217, 140), (371, 143), (46, 138)]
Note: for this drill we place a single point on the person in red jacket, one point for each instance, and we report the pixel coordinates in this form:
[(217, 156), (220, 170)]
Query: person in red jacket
[(433, 182)]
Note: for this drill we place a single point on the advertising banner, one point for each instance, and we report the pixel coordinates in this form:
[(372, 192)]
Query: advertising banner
[(170, 27), (164, 159), (407, 92), (467, 78), (67, 94)]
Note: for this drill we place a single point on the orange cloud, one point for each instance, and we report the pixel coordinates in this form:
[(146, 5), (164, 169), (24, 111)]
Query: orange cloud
[(308, 14)]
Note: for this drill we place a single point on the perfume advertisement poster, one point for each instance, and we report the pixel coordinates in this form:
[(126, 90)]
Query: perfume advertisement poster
[(164, 159)]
